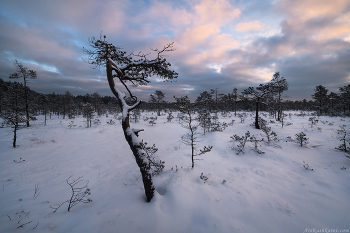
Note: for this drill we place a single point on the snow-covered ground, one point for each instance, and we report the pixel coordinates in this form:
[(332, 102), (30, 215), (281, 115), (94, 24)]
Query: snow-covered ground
[(250, 192)]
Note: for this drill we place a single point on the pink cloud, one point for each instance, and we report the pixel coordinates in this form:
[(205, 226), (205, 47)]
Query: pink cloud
[(196, 35), (216, 11), (307, 9), (250, 26)]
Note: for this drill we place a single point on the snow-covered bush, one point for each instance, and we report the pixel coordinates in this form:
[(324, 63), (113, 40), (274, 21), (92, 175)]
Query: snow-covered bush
[(72, 124), (256, 141), (170, 116), (313, 121), (97, 121), (111, 122), (242, 116), (152, 120), (270, 135), (343, 136), (301, 139), (242, 141), (231, 123)]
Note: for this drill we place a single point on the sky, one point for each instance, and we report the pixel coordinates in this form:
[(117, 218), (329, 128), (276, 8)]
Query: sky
[(222, 44)]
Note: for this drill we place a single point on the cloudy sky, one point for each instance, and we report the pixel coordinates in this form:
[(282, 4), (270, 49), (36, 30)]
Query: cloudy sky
[(219, 43)]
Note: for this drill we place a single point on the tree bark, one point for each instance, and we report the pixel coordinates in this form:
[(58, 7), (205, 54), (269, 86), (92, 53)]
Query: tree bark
[(26, 102), (257, 113), (15, 135), (131, 137)]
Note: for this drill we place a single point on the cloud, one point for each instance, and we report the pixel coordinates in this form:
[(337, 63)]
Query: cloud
[(219, 12), (321, 20), (219, 42), (308, 9), (198, 35), (250, 26)]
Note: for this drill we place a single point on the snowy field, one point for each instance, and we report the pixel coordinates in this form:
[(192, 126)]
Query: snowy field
[(250, 192)]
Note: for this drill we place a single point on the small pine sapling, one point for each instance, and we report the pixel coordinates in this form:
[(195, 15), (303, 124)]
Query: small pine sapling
[(344, 138), (270, 135), (262, 122), (231, 123), (204, 119), (242, 141), (256, 142), (135, 115), (152, 120), (191, 138), (301, 139), (170, 116), (242, 116), (313, 121), (111, 122), (72, 124), (282, 120), (97, 122)]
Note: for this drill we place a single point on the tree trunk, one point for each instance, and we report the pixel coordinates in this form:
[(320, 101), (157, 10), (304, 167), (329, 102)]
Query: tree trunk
[(257, 113), (279, 109), (26, 100), (235, 108), (15, 135), (132, 137), (158, 109), (192, 145), (140, 158)]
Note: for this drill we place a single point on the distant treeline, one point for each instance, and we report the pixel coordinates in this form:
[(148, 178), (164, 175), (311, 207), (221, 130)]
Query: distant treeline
[(67, 105)]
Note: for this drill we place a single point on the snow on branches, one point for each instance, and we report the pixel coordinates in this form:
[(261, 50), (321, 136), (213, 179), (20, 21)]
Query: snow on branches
[(134, 70)]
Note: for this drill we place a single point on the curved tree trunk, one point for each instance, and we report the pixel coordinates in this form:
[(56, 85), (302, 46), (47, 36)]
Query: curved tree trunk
[(131, 135)]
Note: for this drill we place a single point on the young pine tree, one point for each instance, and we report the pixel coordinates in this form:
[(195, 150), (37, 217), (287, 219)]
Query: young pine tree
[(301, 138), (157, 98), (191, 138), (344, 138), (23, 72), (88, 112), (14, 108)]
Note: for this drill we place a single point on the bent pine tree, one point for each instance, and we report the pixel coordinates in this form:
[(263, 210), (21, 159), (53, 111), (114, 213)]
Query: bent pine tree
[(130, 71)]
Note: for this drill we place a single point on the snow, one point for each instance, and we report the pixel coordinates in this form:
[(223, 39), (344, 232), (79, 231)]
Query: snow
[(249, 192)]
